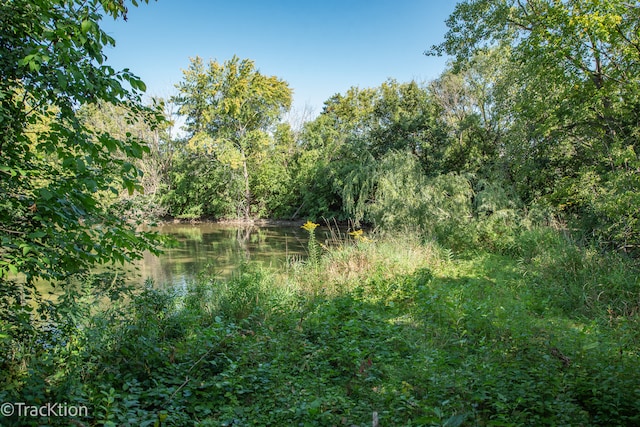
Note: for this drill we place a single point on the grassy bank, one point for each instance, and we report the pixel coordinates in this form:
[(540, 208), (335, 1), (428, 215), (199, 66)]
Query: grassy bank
[(395, 329)]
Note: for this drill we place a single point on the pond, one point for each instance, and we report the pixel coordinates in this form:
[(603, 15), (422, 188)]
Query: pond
[(218, 249)]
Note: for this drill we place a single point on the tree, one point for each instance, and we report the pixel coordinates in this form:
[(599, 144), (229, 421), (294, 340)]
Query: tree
[(575, 103), (407, 118), (201, 186), (55, 173), (469, 104), (342, 146), (272, 182), (330, 147), (230, 109)]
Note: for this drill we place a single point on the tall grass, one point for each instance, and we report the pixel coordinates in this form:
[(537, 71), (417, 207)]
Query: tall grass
[(343, 267)]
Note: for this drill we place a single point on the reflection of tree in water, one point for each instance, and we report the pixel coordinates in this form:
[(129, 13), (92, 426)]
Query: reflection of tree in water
[(243, 237), (190, 233), (215, 250)]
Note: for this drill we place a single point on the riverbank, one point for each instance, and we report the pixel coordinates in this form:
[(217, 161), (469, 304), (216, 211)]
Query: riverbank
[(402, 331), (258, 222), (239, 221)]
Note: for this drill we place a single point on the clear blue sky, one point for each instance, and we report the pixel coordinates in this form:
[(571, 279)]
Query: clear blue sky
[(321, 47)]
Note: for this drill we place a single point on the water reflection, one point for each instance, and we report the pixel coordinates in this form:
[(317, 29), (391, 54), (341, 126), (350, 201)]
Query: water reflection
[(215, 249)]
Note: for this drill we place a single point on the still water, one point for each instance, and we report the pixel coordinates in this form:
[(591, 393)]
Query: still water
[(218, 250)]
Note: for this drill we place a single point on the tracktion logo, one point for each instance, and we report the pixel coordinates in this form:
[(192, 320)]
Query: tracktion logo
[(21, 409)]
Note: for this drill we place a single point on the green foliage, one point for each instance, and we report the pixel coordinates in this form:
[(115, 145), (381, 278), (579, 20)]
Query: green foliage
[(59, 177), (317, 182), (341, 146), (154, 164), (53, 170), (470, 102), (200, 187), (312, 244), (229, 110), (578, 280), (272, 183), (411, 335), (612, 201), (570, 93), (459, 211), (495, 318), (407, 118)]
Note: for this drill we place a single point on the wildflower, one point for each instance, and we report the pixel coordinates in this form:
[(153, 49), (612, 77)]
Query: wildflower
[(356, 234), (359, 237), (312, 244), (309, 226)]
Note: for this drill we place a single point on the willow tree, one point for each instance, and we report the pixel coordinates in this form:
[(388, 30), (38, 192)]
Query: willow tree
[(230, 109)]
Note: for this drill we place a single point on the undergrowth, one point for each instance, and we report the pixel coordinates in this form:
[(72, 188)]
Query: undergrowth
[(395, 329)]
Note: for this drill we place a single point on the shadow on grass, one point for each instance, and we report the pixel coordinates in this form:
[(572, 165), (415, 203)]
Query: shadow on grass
[(466, 342)]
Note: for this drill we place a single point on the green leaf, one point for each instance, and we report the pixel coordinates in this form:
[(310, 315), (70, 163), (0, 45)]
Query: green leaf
[(82, 167), (455, 420), (137, 84), (85, 26), (590, 346), (34, 66), (12, 268), (62, 79), (36, 234), (8, 170), (45, 194)]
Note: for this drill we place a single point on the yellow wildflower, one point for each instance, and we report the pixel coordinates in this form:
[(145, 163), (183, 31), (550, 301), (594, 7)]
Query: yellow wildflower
[(359, 237), (356, 234), (309, 226)]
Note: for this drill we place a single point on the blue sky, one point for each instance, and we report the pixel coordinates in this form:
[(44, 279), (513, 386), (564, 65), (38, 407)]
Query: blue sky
[(321, 47)]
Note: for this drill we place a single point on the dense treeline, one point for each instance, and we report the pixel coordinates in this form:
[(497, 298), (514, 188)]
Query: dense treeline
[(515, 126)]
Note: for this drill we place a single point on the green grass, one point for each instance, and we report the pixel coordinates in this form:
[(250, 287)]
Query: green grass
[(418, 335)]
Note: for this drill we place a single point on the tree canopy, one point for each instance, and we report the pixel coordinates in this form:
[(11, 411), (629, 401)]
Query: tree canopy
[(230, 108)]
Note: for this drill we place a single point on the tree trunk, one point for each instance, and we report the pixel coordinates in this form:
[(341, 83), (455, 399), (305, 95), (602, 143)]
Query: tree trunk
[(247, 191)]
